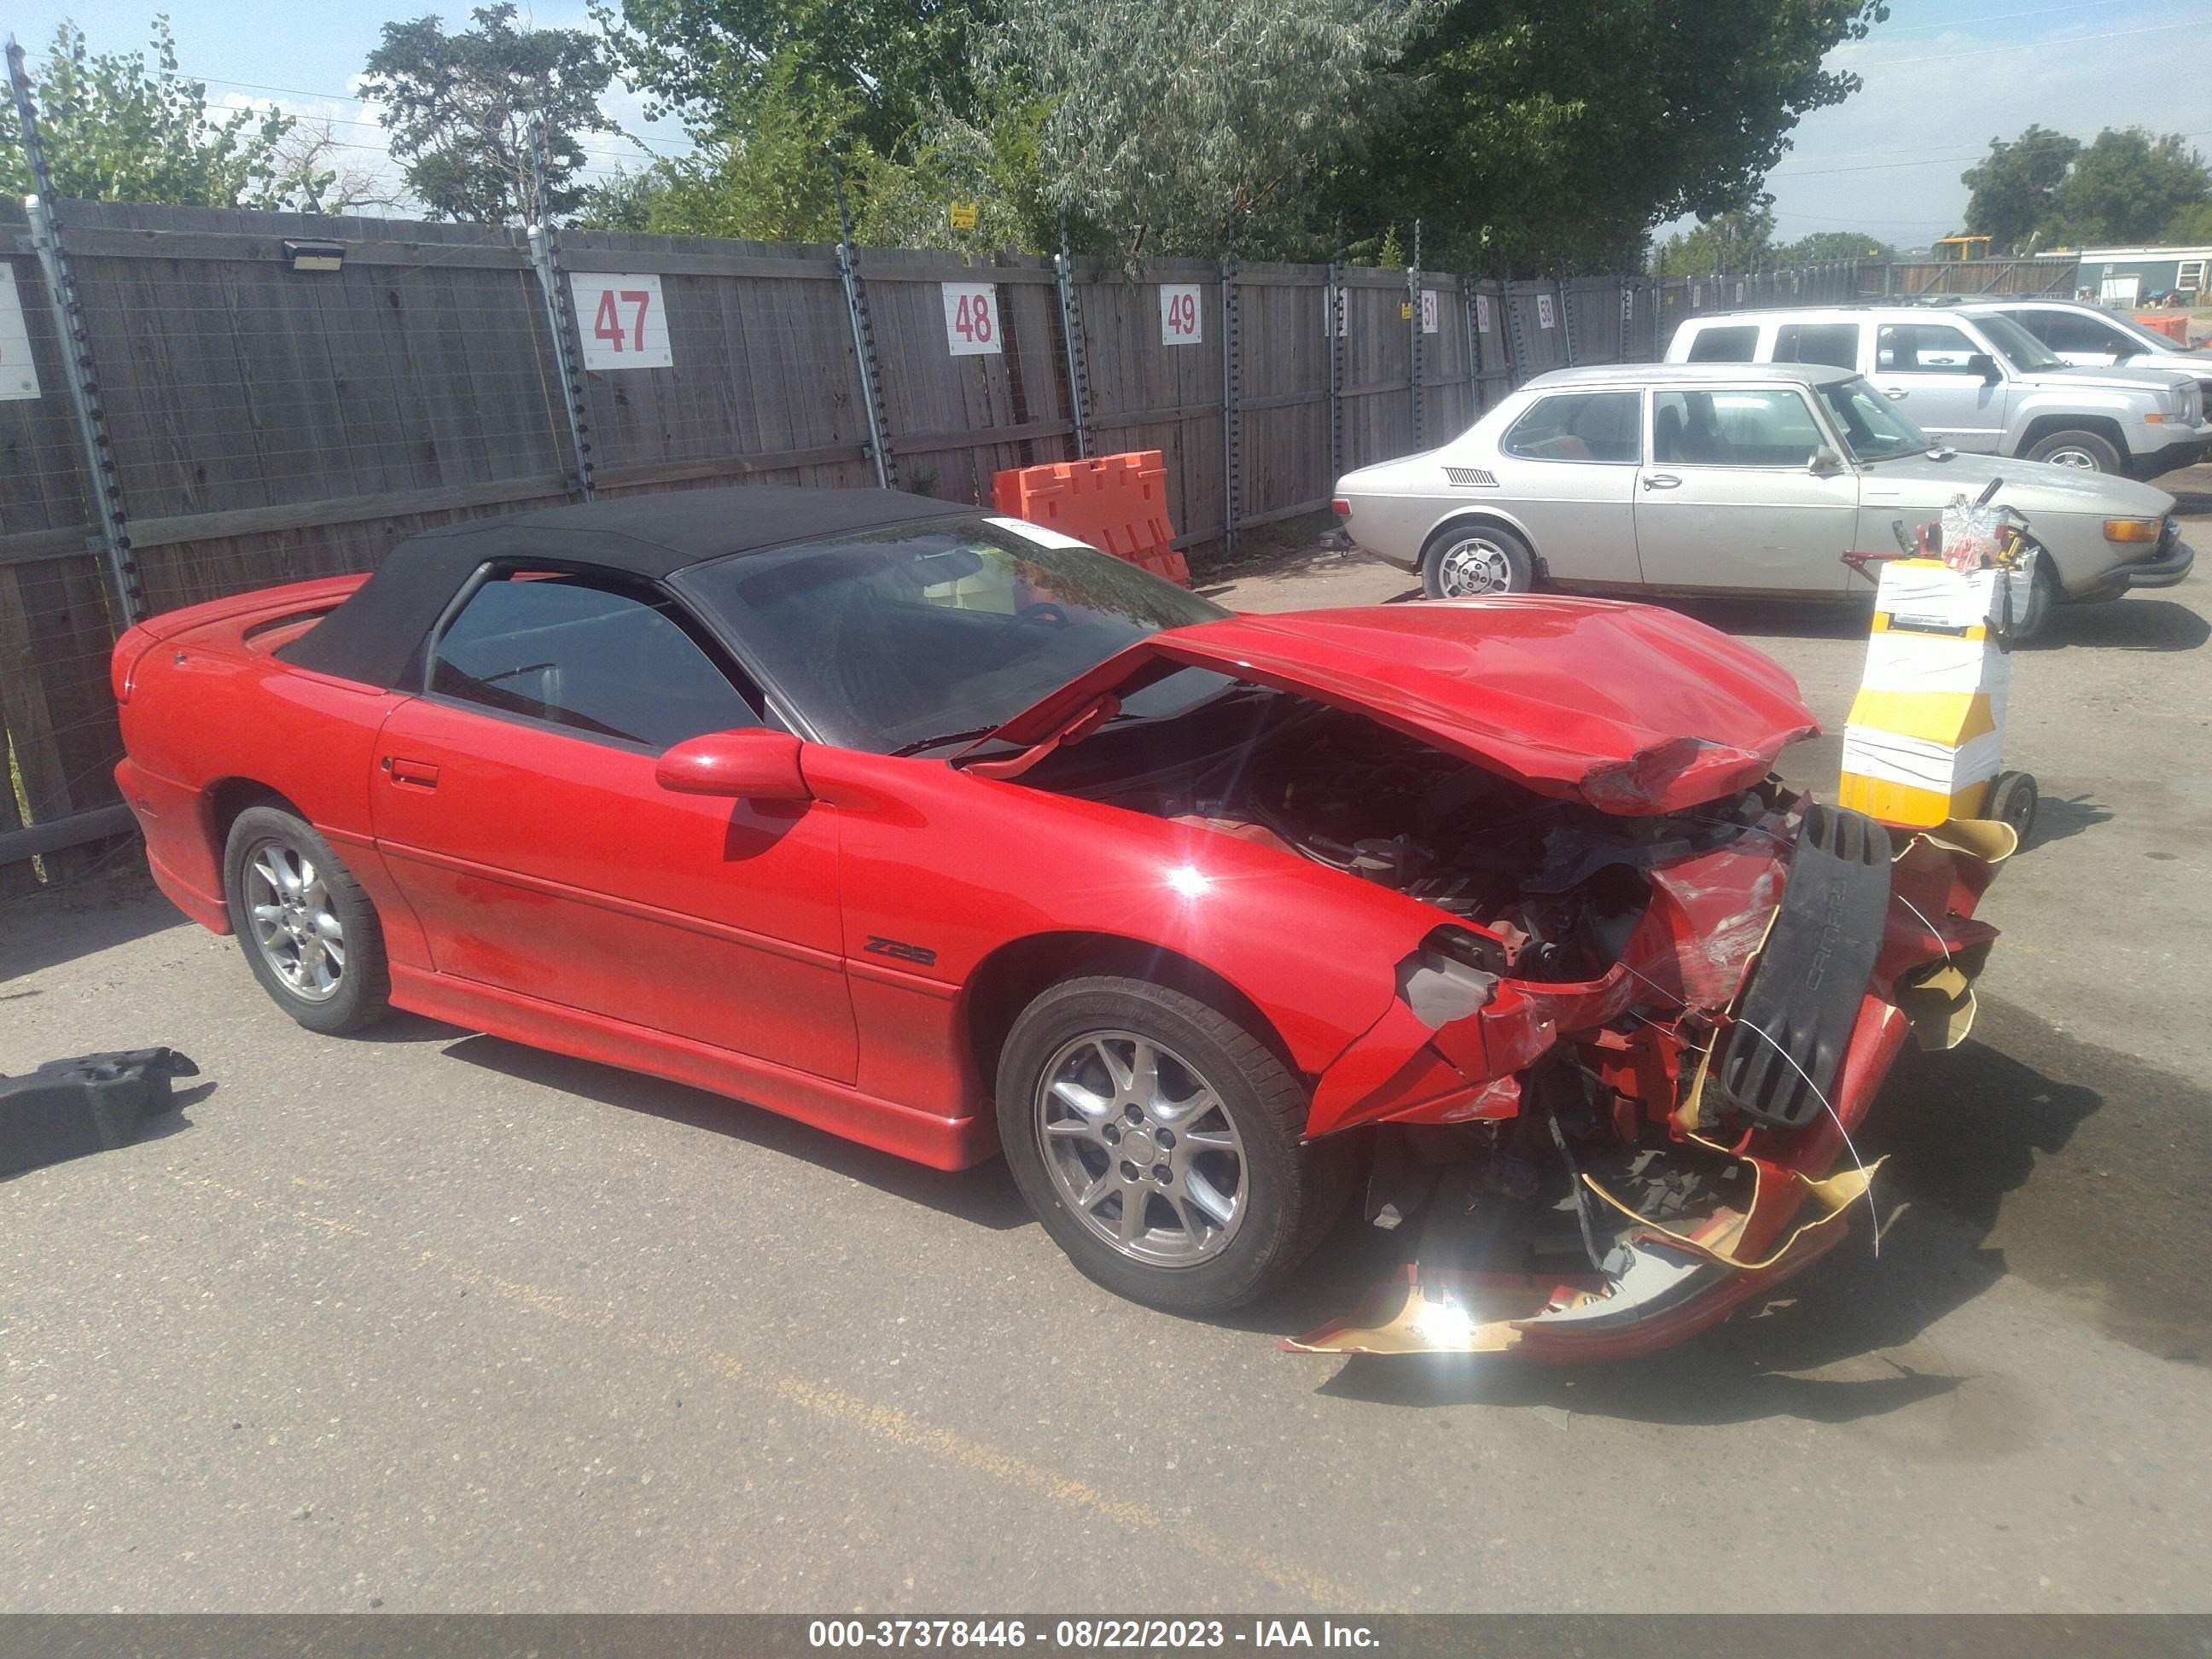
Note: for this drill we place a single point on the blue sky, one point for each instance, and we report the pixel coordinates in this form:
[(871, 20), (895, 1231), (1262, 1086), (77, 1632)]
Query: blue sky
[(1943, 78)]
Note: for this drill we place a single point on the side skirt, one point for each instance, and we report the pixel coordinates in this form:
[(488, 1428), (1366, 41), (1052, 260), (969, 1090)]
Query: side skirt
[(939, 1142)]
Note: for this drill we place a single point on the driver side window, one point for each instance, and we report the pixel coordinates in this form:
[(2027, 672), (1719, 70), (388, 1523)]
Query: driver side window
[(601, 656)]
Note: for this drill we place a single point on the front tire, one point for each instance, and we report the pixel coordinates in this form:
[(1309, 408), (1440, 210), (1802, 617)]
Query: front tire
[(1158, 1141), (1463, 561), (2083, 450), (309, 933)]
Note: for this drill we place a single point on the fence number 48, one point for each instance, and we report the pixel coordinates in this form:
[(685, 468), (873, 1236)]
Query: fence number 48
[(620, 321), (971, 319)]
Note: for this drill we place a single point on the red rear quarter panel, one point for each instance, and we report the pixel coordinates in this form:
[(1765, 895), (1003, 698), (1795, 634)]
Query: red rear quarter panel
[(208, 706)]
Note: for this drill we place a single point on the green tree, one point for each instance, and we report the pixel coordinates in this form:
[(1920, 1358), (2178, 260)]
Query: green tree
[(2191, 228), (1830, 247), (459, 108), (881, 67), (2016, 185), (1169, 126), (2127, 186), (1737, 243), (1544, 134), (117, 132)]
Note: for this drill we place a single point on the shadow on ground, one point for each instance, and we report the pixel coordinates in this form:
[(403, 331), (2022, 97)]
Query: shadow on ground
[(983, 1197), (2136, 622), (39, 930)]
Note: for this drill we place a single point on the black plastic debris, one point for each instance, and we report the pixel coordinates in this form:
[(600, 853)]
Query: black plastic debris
[(92, 1103)]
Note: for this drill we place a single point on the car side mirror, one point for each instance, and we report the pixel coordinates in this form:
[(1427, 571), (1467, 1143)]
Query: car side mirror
[(1983, 364), (1824, 462), (754, 763)]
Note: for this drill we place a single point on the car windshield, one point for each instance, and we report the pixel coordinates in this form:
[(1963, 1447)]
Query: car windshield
[(2148, 339), (2017, 346), (885, 640), (1871, 429)]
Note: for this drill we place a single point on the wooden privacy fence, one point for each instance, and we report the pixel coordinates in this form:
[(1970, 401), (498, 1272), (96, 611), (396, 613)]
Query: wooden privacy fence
[(253, 423)]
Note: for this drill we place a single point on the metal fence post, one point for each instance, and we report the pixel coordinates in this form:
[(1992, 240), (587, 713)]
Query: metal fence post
[(1232, 421), (102, 483), (1413, 335), (1071, 341), (1566, 319), (1332, 327), (1516, 343), (545, 260), (864, 337)]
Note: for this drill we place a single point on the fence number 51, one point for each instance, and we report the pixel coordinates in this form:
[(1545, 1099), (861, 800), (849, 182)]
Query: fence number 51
[(1182, 314), (621, 320), (971, 319)]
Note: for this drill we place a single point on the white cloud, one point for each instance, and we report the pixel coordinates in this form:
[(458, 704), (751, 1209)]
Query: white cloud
[(1888, 161)]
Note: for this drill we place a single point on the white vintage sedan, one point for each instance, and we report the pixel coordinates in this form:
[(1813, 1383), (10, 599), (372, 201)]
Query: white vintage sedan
[(1726, 478)]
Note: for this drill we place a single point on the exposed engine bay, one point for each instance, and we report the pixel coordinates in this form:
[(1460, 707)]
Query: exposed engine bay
[(1558, 883), (1616, 1097)]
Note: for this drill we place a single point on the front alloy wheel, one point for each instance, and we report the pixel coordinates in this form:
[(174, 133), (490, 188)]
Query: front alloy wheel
[(1161, 1142), (1140, 1148)]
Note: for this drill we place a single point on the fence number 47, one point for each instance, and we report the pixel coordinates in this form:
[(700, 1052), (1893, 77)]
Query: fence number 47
[(1182, 314), (971, 319), (620, 321)]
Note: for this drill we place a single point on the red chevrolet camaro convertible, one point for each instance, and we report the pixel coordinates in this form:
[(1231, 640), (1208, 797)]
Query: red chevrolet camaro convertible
[(942, 832)]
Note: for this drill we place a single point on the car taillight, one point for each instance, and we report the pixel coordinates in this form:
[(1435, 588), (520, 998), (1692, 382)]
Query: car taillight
[(1341, 507)]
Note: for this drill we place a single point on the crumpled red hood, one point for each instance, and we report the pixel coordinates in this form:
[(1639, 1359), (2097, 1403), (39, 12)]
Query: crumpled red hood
[(1632, 709)]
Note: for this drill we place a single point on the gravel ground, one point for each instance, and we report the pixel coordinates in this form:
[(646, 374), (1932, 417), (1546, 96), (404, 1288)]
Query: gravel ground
[(433, 1322)]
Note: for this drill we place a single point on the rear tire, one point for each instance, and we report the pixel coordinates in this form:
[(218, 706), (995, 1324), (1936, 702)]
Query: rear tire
[(309, 933), (1470, 560), (2084, 450), (2042, 598), (1104, 1077)]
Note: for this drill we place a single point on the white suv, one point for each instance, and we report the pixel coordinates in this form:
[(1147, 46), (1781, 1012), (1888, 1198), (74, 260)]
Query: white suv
[(1975, 380)]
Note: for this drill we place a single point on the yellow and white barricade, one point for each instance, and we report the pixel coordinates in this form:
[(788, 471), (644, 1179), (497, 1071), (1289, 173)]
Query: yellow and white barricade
[(1927, 728)]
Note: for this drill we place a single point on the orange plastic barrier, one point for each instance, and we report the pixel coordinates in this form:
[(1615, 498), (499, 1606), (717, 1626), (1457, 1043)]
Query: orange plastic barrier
[(1117, 503), (2174, 324)]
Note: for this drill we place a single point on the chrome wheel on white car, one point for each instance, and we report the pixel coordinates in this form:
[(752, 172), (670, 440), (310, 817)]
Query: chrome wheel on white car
[(1475, 561)]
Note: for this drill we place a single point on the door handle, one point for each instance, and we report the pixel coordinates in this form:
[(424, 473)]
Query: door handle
[(421, 774), (1662, 480), (1894, 392)]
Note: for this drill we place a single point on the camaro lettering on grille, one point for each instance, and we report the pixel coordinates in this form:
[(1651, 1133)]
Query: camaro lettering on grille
[(899, 948)]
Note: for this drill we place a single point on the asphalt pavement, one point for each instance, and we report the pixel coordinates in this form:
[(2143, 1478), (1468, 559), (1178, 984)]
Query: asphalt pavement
[(430, 1322)]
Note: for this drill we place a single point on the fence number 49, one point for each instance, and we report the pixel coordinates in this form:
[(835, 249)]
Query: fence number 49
[(621, 320), (1182, 314), (971, 319)]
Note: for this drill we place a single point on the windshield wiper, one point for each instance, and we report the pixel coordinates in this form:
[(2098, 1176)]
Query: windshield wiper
[(942, 738)]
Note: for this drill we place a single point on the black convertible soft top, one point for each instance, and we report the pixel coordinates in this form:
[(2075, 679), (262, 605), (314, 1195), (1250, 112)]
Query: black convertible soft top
[(372, 636)]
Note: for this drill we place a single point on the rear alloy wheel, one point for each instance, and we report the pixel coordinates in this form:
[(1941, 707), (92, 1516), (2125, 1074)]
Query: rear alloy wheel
[(308, 931), (1158, 1141), (1465, 562), (2083, 450)]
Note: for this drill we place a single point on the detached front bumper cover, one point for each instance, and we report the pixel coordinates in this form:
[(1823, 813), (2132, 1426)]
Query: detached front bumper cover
[(90, 1103)]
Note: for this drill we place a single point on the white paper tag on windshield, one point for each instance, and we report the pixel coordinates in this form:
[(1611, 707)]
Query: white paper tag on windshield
[(1036, 533)]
